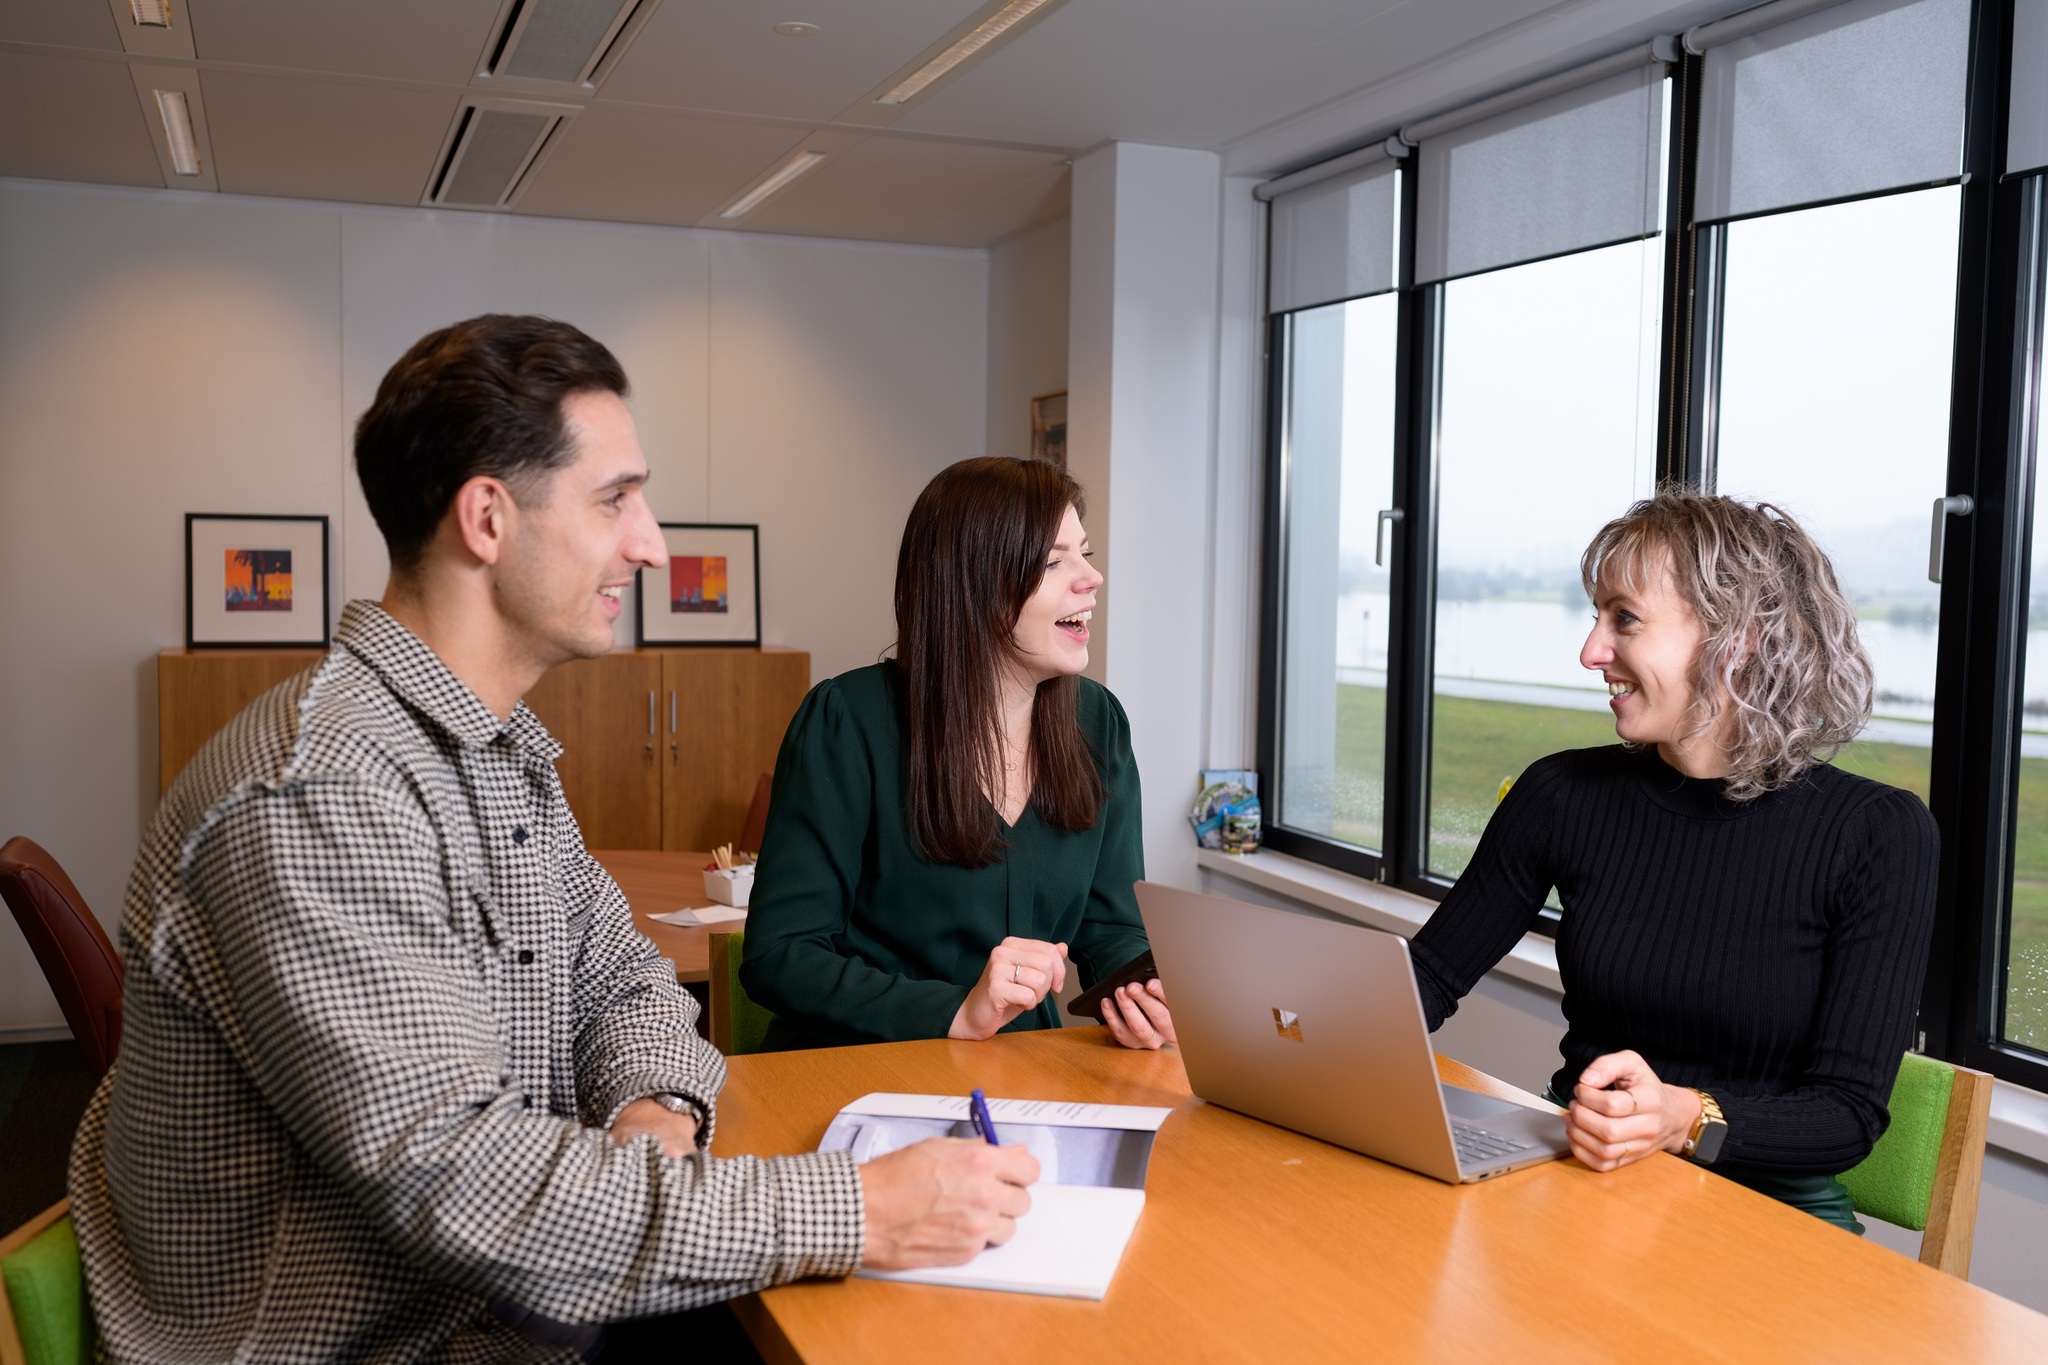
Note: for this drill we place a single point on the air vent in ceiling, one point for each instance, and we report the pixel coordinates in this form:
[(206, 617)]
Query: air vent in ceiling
[(492, 148), (564, 42)]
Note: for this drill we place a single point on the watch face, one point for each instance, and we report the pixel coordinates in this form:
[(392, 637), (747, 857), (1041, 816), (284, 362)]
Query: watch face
[(1709, 1145)]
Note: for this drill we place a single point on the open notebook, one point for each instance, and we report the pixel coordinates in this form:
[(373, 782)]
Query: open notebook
[(1091, 1188)]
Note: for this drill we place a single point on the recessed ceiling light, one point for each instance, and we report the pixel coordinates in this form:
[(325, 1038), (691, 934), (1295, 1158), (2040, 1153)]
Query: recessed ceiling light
[(790, 170), (151, 13), (797, 30), (969, 43), (176, 112)]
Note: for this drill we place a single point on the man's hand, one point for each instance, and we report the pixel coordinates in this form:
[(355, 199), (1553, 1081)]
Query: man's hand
[(943, 1200), (1019, 973), (1137, 1015), (677, 1133), (1621, 1113)]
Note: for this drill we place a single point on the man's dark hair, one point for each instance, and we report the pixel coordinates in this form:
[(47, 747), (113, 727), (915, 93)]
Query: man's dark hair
[(480, 398)]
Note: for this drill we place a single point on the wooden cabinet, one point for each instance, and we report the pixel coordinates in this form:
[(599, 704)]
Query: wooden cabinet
[(200, 690), (714, 719), (661, 748)]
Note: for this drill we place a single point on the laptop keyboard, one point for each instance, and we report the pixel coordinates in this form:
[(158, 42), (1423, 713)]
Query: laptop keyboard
[(1475, 1144)]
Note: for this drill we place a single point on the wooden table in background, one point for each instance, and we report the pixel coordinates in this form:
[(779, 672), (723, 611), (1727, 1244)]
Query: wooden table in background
[(1259, 1244), (657, 882)]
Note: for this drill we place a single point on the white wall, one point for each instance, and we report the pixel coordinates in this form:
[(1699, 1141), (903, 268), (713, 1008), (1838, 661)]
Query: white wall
[(164, 353), (1142, 324), (1027, 331)]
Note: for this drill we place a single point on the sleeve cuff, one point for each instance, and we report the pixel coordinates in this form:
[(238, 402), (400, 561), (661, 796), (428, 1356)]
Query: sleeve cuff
[(820, 1215)]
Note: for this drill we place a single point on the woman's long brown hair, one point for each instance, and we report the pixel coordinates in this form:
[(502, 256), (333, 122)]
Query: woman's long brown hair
[(974, 551)]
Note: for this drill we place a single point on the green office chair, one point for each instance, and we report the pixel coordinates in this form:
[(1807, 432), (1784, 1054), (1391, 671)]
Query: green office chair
[(1927, 1169), (738, 1025), (44, 1317)]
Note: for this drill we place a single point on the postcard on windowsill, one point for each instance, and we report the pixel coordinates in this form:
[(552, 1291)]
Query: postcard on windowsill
[(1091, 1188), (701, 914)]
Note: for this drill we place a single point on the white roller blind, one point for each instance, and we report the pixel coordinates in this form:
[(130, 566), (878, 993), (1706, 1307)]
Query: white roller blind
[(1334, 239), (1850, 100), (1576, 170), (2026, 147)]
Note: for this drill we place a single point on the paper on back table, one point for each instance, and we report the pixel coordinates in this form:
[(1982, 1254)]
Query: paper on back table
[(1071, 1241)]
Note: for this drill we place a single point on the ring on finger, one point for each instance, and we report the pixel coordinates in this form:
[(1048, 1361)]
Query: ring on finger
[(1015, 967)]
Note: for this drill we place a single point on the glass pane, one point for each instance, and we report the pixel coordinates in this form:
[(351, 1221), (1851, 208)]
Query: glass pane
[(1548, 430), (1836, 358), (1340, 448), (2026, 980)]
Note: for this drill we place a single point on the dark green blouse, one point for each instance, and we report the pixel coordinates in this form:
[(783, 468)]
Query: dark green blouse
[(855, 937)]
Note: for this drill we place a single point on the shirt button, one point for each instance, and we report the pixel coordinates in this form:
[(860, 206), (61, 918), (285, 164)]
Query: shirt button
[(519, 834), (525, 956)]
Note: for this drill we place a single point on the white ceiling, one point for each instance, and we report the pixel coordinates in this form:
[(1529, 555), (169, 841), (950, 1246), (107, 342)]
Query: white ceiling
[(356, 101)]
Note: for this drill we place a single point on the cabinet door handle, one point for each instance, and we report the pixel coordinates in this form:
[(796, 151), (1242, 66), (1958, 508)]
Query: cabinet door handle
[(671, 710), (650, 716)]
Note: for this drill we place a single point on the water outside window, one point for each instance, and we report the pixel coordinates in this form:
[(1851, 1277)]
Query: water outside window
[(1548, 431), (1340, 476)]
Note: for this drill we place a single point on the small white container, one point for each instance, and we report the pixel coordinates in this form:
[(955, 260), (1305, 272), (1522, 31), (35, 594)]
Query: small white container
[(730, 888)]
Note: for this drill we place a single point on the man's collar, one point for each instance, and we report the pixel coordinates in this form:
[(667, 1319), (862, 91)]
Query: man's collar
[(417, 675)]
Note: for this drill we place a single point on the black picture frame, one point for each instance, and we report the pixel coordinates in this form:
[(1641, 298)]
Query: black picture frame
[(233, 625), (735, 625)]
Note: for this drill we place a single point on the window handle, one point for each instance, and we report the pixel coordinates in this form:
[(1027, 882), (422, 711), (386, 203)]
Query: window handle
[(1379, 540), (1956, 504)]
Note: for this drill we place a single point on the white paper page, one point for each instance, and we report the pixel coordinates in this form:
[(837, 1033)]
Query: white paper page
[(1067, 1246), (1050, 1113), (704, 914)]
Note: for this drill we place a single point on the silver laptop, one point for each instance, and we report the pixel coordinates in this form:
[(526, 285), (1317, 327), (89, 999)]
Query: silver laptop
[(1316, 1026)]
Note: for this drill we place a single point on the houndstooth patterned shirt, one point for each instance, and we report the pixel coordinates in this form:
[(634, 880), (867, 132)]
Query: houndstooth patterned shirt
[(380, 1006)]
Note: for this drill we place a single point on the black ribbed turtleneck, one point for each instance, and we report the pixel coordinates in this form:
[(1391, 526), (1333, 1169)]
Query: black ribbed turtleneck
[(1770, 953)]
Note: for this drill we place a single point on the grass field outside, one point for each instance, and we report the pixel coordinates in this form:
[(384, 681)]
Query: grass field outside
[(1476, 744)]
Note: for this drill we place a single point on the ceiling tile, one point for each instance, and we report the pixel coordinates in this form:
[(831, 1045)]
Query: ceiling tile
[(73, 119), (438, 41), (725, 54), (1193, 73), (324, 139), (66, 23), (916, 190), (650, 168)]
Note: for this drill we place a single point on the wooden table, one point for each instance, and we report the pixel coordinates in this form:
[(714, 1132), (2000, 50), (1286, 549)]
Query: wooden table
[(658, 882), (1259, 1244)]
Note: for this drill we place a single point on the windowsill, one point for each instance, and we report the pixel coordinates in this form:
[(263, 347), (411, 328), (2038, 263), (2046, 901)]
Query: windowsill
[(2019, 1116), (1532, 961)]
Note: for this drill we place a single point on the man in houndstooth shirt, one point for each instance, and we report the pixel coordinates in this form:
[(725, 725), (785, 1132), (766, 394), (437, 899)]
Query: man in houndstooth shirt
[(398, 1078)]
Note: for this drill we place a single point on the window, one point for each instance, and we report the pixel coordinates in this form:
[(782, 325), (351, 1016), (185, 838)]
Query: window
[(1547, 428), (1340, 437), (1837, 338), (1843, 315)]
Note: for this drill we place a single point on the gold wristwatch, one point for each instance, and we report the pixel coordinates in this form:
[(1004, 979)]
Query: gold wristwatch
[(1703, 1144)]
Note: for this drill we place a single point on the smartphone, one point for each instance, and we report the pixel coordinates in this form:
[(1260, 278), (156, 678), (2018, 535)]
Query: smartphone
[(1088, 1004)]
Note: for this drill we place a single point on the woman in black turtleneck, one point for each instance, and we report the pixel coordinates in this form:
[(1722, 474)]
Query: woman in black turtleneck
[(1745, 928)]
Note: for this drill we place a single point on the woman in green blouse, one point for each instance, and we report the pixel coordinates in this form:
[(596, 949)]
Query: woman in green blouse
[(950, 824)]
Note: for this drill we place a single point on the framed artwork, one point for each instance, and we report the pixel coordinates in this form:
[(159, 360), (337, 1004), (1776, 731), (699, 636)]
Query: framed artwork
[(1049, 428), (710, 593), (255, 581)]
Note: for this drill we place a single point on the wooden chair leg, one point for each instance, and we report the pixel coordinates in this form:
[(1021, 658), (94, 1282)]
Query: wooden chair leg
[(1952, 1211)]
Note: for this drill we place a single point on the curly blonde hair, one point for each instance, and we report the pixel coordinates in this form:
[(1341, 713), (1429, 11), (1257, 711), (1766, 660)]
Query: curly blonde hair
[(1781, 649)]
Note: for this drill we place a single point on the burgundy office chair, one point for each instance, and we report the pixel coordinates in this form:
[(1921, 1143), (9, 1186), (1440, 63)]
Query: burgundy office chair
[(83, 969)]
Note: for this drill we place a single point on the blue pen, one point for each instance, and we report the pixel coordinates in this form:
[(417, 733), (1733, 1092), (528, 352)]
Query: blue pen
[(977, 1114)]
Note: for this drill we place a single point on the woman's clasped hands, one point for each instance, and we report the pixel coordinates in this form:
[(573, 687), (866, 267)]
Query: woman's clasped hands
[(1621, 1112)]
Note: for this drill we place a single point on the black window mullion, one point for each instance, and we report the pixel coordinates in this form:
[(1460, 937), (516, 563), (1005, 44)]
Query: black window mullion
[(1974, 779), (1407, 761), (1681, 249)]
